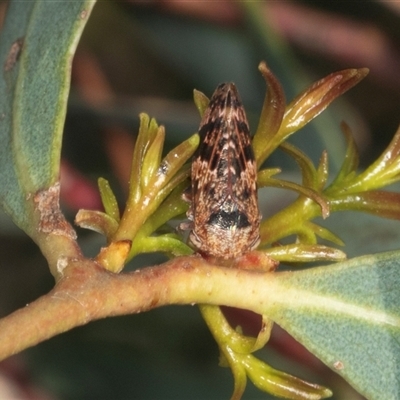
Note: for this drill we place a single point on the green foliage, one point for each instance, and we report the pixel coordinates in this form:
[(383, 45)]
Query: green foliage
[(347, 313), (349, 190), (34, 92), (155, 197), (236, 352)]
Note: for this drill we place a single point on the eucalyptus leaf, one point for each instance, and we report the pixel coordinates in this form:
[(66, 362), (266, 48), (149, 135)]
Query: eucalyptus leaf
[(37, 44), (348, 315)]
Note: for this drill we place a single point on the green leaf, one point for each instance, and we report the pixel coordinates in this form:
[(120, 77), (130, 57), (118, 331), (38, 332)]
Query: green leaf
[(37, 44), (303, 253), (281, 384), (201, 101), (264, 180), (271, 116), (312, 101), (379, 202), (351, 159), (108, 199), (97, 221), (308, 171), (348, 315)]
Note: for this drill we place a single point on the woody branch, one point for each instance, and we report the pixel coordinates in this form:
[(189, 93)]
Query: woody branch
[(87, 292)]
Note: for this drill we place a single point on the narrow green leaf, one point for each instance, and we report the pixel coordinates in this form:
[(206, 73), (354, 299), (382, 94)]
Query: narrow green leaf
[(264, 141), (304, 253), (143, 141), (170, 208), (152, 158), (178, 156), (201, 101), (308, 171), (384, 171), (302, 190), (389, 156), (37, 44), (325, 233), (108, 199), (351, 159), (322, 171), (312, 101), (97, 221), (281, 384), (377, 202), (164, 244)]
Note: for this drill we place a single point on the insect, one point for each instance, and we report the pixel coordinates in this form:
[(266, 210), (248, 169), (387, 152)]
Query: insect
[(224, 213)]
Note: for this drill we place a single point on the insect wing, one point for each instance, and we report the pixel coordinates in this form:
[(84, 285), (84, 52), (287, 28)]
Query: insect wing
[(224, 192)]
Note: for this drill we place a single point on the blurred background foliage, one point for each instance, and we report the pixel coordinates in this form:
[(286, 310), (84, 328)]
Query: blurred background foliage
[(149, 56)]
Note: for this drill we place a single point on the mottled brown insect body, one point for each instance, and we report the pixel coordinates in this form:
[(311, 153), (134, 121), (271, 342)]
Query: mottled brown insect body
[(224, 210)]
